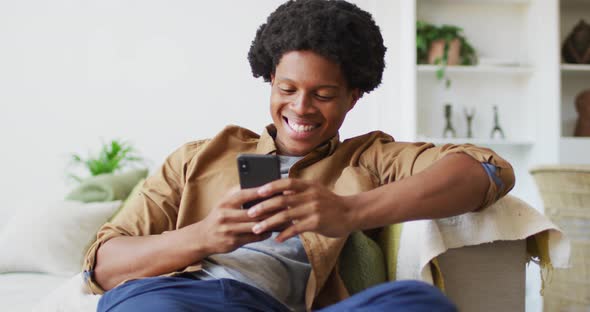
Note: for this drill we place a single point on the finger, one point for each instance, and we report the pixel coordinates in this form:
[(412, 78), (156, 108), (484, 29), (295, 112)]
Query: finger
[(276, 203), (282, 185), (241, 196), (232, 216), (295, 229), (243, 228), (234, 189), (281, 218)]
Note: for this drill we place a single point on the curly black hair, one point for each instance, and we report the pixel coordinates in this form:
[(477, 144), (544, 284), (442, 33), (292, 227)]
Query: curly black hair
[(335, 29)]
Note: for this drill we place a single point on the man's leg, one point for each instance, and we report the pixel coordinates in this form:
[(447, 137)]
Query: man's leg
[(407, 296), (185, 294)]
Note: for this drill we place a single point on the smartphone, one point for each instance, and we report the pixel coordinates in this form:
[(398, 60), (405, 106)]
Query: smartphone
[(257, 170)]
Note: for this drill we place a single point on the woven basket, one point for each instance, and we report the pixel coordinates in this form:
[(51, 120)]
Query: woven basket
[(565, 191)]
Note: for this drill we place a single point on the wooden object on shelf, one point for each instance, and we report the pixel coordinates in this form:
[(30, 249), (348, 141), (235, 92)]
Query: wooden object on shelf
[(497, 132), (449, 129), (583, 108), (576, 47), (469, 114), (437, 50)]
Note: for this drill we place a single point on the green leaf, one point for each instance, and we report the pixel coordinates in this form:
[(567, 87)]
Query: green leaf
[(440, 73), (421, 44), (426, 33), (113, 156)]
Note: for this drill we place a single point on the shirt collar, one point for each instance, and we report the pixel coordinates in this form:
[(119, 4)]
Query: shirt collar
[(266, 143)]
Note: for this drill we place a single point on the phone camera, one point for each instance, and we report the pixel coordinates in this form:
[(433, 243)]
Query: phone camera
[(243, 166)]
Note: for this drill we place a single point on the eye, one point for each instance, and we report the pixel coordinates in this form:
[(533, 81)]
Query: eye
[(287, 91), (324, 97)]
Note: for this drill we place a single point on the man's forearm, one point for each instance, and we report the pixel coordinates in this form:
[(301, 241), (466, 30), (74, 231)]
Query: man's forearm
[(122, 258), (453, 185)]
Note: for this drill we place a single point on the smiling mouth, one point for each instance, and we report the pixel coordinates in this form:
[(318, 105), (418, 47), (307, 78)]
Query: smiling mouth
[(300, 127)]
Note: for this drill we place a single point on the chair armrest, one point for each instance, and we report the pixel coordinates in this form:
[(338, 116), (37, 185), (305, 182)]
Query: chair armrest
[(486, 277)]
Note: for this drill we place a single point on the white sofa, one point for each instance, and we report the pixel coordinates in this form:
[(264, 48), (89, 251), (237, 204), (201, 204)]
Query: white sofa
[(48, 237), (22, 291)]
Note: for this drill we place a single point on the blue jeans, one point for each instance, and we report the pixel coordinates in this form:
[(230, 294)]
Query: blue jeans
[(185, 294)]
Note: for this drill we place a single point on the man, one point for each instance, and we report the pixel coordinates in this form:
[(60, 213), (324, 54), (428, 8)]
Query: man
[(185, 243)]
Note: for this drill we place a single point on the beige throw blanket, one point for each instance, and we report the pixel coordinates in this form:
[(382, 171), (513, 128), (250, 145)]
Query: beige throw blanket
[(508, 219)]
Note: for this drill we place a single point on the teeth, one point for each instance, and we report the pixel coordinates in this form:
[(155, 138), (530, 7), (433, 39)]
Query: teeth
[(301, 128)]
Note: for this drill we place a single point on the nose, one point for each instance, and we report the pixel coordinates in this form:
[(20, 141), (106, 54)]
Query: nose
[(303, 104)]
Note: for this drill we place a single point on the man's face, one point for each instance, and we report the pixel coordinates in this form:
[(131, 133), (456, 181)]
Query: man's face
[(309, 100)]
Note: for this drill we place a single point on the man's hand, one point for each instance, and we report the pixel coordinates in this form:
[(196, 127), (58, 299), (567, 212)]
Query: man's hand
[(228, 226), (309, 207)]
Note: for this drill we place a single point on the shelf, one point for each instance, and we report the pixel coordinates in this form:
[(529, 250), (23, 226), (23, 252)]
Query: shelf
[(575, 68), (480, 142), (479, 69), (574, 150), (581, 141)]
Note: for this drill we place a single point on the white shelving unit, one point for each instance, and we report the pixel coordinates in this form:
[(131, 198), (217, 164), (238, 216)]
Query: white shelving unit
[(574, 79), (518, 32), (534, 97)]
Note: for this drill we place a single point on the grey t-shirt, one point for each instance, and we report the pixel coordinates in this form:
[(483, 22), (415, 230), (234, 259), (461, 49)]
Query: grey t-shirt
[(279, 269)]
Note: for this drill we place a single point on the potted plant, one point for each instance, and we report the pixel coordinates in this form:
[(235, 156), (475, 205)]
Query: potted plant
[(443, 45), (113, 156)]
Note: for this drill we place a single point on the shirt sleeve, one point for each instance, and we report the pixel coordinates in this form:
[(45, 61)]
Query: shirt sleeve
[(491, 172), (392, 161), (153, 211)]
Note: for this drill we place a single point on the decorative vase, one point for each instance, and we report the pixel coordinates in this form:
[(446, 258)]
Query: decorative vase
[(576, 47), (583, 108), (437, 49)]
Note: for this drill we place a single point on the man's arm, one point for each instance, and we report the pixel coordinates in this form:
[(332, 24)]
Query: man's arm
[(132, 244), (127, 257), (453, 185), (225, 228)]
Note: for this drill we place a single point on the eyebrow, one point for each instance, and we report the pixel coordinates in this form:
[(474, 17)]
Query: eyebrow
[(281, 79)]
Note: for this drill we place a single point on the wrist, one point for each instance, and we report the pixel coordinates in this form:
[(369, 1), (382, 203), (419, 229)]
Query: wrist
[(193, 241), (358, 206)]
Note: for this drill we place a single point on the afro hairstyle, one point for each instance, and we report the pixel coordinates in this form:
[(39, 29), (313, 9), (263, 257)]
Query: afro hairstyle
[(335, 29)]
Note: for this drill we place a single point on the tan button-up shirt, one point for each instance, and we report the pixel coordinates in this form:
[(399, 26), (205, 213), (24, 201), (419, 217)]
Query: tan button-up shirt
[(194, 177)]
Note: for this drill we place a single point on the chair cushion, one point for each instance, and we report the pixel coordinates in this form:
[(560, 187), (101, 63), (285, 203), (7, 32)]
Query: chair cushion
[(362, 263), (107, 187)]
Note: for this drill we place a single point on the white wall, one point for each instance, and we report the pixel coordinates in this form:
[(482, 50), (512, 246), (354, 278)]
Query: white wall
[(156, 73)]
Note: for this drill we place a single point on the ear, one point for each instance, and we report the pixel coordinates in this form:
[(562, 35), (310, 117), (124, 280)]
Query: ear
[(272, 79), (355, 95)]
